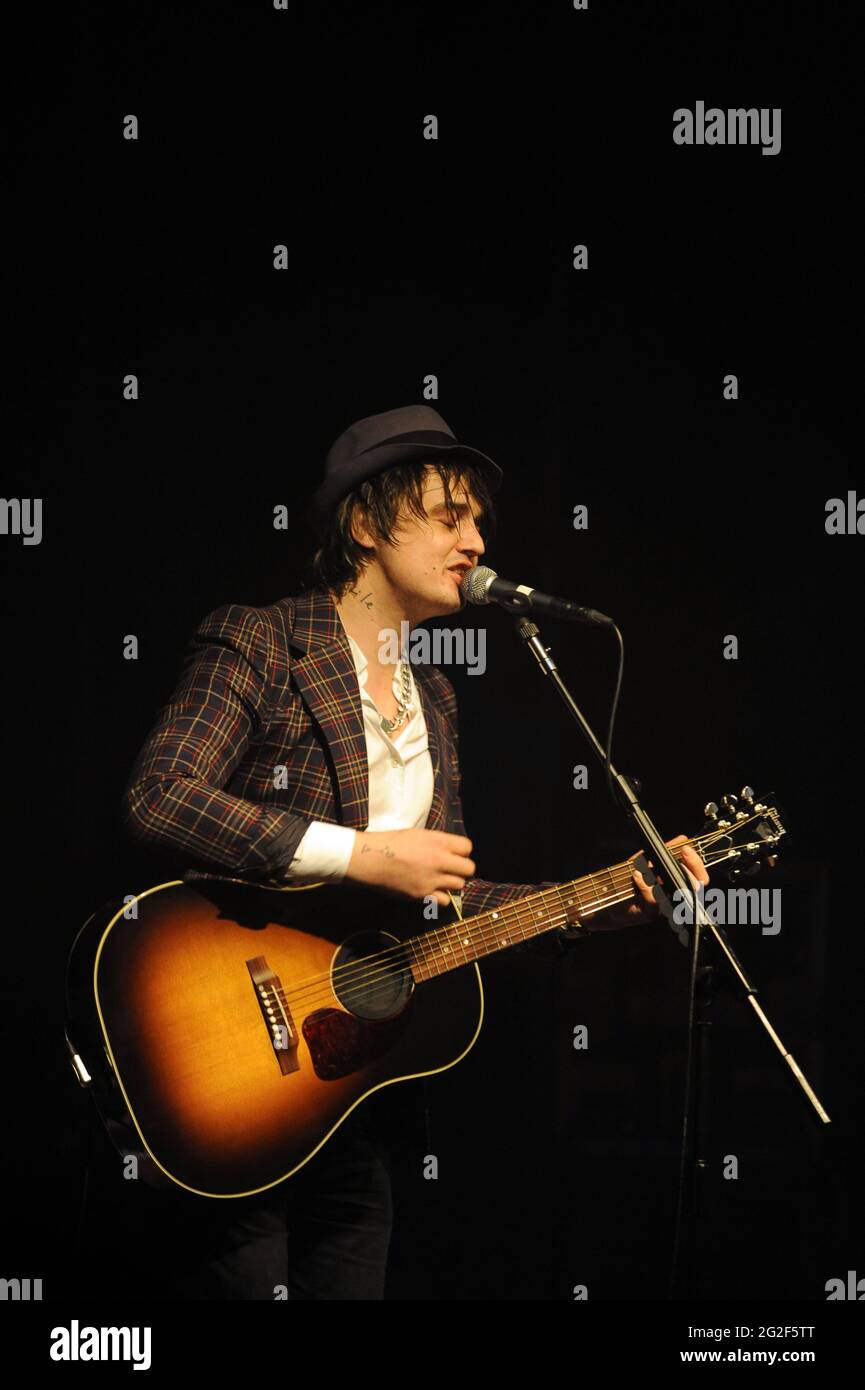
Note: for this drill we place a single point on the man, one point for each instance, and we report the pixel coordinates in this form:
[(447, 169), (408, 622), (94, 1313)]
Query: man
[(298, 748)]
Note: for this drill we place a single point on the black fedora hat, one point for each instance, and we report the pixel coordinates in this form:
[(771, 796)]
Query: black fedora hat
[(376, 442)]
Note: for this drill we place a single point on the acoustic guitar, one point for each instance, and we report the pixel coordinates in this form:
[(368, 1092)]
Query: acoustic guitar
[(226, 1030)]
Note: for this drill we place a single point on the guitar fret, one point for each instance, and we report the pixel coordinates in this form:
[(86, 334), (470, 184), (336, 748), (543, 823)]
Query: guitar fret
[(495, 919), (458, 943), (435, 943), (569, 897)]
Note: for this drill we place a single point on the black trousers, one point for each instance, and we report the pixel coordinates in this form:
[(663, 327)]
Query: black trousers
[(322, 1234)]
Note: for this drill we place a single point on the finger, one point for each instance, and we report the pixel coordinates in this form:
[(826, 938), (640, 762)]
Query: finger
[(456, 844), (695, 882), (694, 864), (644, 888), (455, 864), (684, 860), (656, 878)]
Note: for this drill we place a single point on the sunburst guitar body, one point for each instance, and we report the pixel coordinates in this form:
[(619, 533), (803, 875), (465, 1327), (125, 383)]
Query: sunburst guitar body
[(232, 1029)]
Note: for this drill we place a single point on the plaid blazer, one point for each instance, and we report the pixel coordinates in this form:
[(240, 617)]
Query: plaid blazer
[(276, 688)]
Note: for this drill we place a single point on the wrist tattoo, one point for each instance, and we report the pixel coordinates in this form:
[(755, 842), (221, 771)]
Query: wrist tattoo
[(377, 849)]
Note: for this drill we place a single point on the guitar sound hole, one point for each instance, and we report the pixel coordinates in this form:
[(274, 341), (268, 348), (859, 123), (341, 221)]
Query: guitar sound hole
[(371, 976)]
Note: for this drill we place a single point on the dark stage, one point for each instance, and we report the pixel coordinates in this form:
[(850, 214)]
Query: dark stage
[(693, 383)]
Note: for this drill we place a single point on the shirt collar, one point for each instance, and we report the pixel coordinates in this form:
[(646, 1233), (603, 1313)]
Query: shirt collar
[(360, 660), (361, 665)]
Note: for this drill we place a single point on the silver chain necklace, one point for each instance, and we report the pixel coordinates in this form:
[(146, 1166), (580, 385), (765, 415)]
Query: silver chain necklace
[(402, 704)]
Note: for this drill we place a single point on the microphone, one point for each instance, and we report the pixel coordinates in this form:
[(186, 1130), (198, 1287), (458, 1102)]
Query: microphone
[(482, 585)]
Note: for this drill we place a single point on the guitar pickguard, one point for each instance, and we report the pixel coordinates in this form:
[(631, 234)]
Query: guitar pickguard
[(340, 1044)]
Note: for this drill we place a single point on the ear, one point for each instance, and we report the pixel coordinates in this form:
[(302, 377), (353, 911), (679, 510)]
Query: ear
[(359, 529)]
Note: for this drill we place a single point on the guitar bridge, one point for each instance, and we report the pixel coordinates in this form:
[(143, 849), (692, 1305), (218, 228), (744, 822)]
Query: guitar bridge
[(275, 1013)]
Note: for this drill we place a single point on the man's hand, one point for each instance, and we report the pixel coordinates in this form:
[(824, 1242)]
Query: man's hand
[(412, 863), (643, 908)]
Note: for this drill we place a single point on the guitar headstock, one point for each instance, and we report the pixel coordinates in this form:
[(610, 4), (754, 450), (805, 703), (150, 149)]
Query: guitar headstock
[(742, 832)]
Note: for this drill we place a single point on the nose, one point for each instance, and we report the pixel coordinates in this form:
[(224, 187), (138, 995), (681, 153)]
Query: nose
[(471, 542)]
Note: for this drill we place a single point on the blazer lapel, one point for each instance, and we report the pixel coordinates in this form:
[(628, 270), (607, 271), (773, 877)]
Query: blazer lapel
[(326, 678), (436, 820)]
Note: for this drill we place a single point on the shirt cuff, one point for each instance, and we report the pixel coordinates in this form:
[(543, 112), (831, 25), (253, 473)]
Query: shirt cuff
[(323, 853)]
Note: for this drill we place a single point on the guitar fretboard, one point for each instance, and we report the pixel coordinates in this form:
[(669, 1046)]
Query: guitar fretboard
[(445, 948)]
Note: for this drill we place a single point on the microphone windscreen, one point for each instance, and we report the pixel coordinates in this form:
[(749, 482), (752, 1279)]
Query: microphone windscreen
[(476, 582)]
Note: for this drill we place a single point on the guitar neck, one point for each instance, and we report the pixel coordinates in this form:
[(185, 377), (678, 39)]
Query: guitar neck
[(448, 947)]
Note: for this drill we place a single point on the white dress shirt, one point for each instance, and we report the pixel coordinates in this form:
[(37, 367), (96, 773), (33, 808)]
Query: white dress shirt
[(400, 784)]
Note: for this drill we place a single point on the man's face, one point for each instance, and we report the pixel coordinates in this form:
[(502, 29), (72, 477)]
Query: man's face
[(421, 569)]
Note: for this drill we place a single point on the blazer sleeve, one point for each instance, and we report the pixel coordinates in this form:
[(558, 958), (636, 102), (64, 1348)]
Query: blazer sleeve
[(174, 798), (480, 894)]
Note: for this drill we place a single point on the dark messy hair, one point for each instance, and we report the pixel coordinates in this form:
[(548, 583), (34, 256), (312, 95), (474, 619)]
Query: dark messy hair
[(339, 558)]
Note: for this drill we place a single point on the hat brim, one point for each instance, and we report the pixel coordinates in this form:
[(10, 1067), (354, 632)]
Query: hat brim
[(381, 456)]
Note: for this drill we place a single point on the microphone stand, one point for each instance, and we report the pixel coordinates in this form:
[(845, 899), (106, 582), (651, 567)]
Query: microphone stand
[(695, 1119)]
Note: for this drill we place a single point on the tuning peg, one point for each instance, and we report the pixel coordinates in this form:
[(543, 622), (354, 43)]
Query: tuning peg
[(747, 795), (710, 811), (729, 804)]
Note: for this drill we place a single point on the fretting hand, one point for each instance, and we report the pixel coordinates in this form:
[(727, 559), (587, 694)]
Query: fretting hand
[(643, 907)]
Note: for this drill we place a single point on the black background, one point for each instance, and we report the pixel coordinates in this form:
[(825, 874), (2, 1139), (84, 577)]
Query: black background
[(603, 387)]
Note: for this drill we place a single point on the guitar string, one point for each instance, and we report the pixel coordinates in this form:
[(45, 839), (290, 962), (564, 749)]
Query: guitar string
[(354, 975), (359, 974), (515, 909), (621, 870), (378, 981)]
